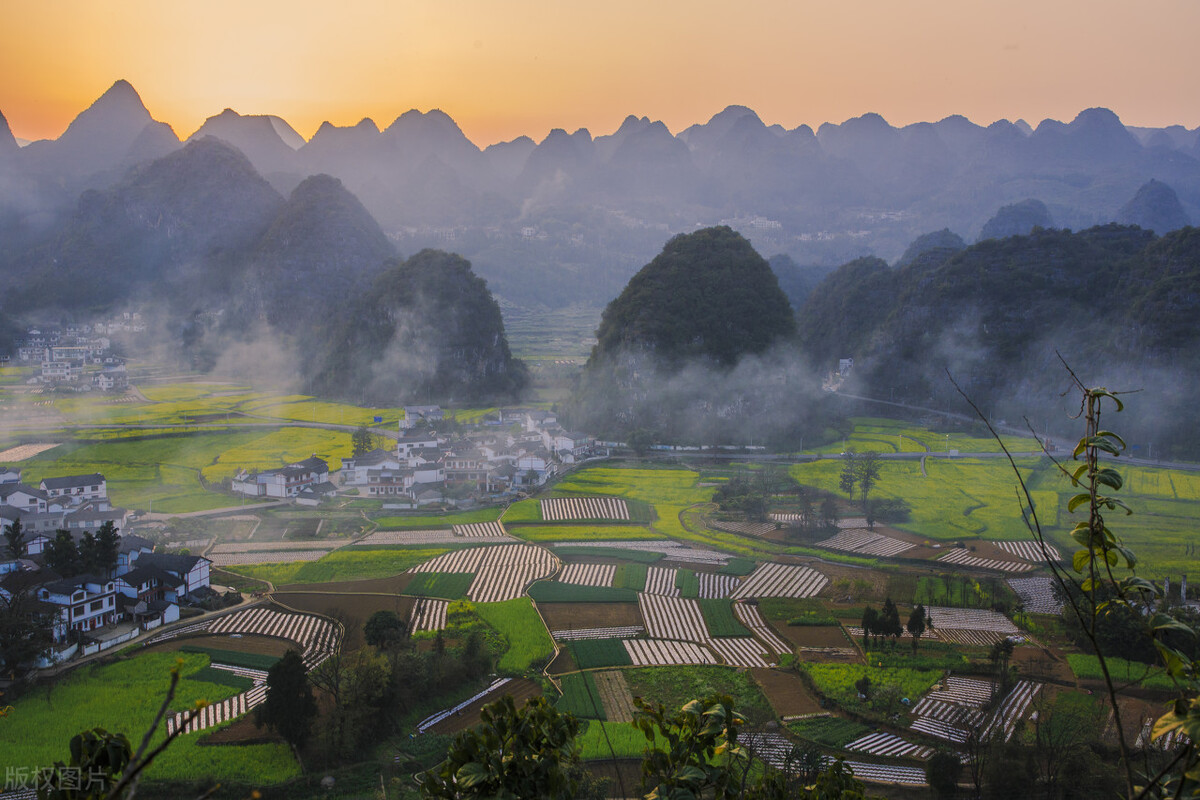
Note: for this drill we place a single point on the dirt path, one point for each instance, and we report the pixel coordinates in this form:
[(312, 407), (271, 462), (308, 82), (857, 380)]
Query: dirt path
[(614, 695)]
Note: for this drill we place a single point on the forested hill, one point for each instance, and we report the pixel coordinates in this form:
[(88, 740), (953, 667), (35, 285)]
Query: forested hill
[(699, 347), (1118, 303)]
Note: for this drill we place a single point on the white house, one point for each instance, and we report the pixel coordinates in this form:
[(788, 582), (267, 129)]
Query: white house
[(10, 475), (192, 571), (285, 481), (414, 415), (355, 470), (75, 488), (89, 603), (23, 498), (409, 443)]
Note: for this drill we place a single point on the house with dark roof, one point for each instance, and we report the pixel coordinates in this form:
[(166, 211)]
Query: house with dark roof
[(192, 571), (75, 488), (23, 497), (85, 603), (283, 482)]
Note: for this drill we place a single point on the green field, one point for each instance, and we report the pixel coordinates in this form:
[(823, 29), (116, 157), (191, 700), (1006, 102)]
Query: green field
[(834, 732), (630, 576), (1123, 672), (675, 686), (895, 436), (342, 565), (738, 566), (430, 521), (718, 616), (596, 653), (555, 592), (601, 740), (836, 681), (641, 556), (234, 658), (580, 697), (687, 583), (124, 697), (523, 511), (529, 643), (446, 585)]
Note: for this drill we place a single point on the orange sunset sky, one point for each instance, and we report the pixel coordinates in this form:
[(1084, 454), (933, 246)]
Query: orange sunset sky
[(503, 68)]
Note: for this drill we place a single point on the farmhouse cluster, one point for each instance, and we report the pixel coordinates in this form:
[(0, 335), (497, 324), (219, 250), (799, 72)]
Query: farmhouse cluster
[(92, 601), (435, 461), (75, 357)]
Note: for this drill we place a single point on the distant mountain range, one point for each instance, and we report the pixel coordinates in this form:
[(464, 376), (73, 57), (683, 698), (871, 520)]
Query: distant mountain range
[(571, 218)]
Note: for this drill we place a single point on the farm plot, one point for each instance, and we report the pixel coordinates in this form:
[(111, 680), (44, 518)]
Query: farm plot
[(318, 636), (501, 572), (1030, 551), (283, 556), (428, 614), (584, 508), (885, 773), (781, 580), (267, 547), (217, 713), (714, 586), (889, 745), (657, 653), (578, 616), (24, 451), (740, 651), (963, 558), (1004, 721), (481, 530), (951, 713), (661, 581), (1037, 594), (970, 626), (749, 616), (670, 550), (421, 537), (744, 528), (577, 634), (614, 695), (588, 574), (861, 540), (672, 618)]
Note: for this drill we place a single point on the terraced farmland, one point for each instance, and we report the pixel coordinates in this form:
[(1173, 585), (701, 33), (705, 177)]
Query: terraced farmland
[(428, 614), (715, 586), (501, 571), (861, 540), (781, 580), (588, 574), (1037, 594), (658, 653), (1030, 551), (963, 558), (584, 508)]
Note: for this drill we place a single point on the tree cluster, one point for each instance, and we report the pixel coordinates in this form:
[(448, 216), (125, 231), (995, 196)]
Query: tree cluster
[(94, 553)]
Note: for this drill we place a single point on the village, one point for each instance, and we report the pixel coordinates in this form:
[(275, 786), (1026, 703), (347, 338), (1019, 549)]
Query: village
[(140, 589)]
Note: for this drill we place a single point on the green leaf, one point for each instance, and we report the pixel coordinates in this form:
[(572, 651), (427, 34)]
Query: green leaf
[(1165, 622), (471, 774), (1110, 477), (1111, 435), (1078, 500), (1082, 557)]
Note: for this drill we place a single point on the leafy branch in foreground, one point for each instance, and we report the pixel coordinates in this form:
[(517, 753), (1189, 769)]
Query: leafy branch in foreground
[(1107, 583)]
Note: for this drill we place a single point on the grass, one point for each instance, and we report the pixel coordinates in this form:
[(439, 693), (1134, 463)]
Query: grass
[(630, 576), (796, 611), (580, 697), (640, 556), (582, 533), (596, 653), (234, 658), (446, 585), (687, 583), (834, 732), (1146, 676), (738, 566), (836, 681), (529, 643), (675, 686), (124, 696), (341, 565), (523, 511), (603, 740), (895, 436), (555, 592), (718, 616)]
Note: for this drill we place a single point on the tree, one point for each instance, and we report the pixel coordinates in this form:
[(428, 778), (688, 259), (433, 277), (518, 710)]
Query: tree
[(699, 754), (1000, 654), (866, 474), (289, 708), (107, 547), (361, 441), (941, 772), (384, 629), (829, 515), (63, 555), (849, 474), (916, 625), (25, 631), (512, 754), (889, 621), (14, 536), (870, 624)]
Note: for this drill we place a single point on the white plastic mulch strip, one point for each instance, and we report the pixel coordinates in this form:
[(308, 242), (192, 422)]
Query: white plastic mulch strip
[(781, 580), (429, 722)]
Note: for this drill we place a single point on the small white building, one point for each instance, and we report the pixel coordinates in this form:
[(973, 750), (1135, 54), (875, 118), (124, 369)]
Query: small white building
[(418, 415), (75, 488)]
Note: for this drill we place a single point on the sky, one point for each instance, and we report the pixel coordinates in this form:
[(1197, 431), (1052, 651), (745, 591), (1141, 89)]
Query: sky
[(505, 68)]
